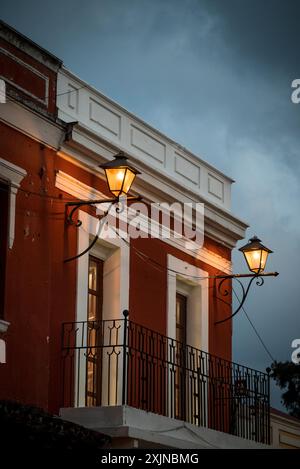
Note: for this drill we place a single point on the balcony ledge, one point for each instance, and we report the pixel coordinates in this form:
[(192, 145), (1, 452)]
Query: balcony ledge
[(146, 429)]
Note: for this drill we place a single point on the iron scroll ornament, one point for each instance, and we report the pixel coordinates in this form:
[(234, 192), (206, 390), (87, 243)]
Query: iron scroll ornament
[(259, 280), (120, 202), (80, 203)]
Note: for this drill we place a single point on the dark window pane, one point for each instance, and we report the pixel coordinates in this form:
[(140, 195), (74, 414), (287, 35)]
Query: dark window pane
[(94, 314)]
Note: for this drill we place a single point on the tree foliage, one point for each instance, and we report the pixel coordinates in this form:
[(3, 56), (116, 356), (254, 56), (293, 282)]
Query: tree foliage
[(287, 377)]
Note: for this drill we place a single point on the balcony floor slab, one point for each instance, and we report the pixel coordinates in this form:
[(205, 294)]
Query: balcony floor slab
[(141, 429)]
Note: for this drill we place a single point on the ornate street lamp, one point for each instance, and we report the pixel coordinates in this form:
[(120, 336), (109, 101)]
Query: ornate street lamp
[(120, 176), (256, 255)]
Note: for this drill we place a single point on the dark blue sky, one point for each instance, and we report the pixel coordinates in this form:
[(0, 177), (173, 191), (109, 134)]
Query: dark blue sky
[(216, 76)]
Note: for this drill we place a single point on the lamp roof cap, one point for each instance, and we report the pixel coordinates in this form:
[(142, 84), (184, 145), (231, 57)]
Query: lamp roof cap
[(120, 161), (254, 244)]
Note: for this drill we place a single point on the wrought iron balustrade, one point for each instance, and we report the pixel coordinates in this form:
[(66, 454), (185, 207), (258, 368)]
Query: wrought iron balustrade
[(114, 362)]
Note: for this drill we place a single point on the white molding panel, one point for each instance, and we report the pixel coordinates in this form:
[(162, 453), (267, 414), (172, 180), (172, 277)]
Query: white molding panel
[(104, 120), (216, 187), (187, 170), (107, 120)]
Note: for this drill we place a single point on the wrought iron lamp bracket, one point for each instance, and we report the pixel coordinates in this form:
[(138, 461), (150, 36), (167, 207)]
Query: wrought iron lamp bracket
[(257, 277), (83, 203)]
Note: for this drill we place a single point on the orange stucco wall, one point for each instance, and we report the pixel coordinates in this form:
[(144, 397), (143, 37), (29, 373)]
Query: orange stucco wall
[(148, 291), (41, 289)]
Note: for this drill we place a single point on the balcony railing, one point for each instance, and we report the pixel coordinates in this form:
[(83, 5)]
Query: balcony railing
[(115, 362)]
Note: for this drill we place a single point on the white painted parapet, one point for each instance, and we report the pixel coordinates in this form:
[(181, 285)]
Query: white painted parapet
[(102, 117)]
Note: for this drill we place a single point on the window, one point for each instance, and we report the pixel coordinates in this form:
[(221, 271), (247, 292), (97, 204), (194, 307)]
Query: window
[(181, 301), (4, 201), (94, 339)]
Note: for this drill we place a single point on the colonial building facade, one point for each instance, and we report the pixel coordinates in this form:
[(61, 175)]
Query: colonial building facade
[(165, 363)]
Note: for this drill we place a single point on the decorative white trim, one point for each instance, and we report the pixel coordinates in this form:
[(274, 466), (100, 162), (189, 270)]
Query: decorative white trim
[(196, 288), (82, 191), (13, 175), (89, 229), (193, 283), (116, 255), (4, 325)]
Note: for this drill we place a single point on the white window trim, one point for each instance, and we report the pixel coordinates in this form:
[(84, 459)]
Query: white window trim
[(87, 230), (13, 175), (187, 274)]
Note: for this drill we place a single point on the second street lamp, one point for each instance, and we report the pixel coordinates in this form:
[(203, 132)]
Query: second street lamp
[(256, 255)]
